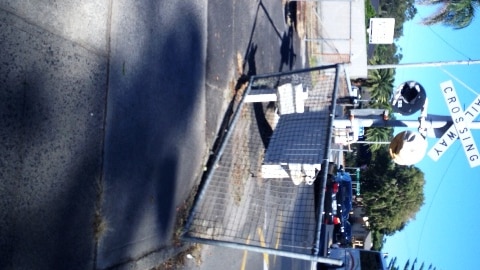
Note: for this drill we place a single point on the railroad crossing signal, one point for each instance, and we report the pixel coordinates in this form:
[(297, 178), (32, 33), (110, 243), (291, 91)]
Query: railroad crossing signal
[(459, 129)]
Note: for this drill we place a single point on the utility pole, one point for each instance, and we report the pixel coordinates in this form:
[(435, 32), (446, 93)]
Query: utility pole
[(436, 124), (425, 64)]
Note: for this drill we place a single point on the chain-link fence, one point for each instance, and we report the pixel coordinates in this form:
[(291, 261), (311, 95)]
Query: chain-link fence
[(258, 193)]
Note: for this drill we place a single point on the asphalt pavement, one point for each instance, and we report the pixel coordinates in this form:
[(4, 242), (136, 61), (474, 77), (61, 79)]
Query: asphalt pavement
[(108, 111)]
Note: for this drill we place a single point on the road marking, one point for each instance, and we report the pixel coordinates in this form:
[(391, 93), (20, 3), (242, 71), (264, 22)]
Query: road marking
[(263, 244), (245, 252), (277, 241)]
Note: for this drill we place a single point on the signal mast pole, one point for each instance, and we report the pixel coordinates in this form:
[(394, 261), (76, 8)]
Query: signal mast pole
[(425, 64)]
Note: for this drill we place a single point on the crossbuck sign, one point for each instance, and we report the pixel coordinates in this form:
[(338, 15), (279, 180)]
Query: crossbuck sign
[(459, 129)]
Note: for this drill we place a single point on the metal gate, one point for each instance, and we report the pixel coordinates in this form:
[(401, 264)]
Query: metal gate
[(257, 193)]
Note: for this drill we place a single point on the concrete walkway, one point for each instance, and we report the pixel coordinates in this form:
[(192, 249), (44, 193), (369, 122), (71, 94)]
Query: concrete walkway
[(102, 115), (54, 68), (155, 136)]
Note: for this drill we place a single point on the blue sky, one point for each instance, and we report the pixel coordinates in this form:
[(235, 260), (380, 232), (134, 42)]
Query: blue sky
[(445, 230)]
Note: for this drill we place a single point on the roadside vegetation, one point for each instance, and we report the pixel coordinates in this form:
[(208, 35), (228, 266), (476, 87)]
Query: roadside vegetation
[(454, 14), (391, 194)]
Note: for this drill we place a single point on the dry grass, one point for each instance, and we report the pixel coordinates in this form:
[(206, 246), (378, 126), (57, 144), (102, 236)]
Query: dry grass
[(193, 252), (182, 215), (185, 250), (100, 224), (240, 63)]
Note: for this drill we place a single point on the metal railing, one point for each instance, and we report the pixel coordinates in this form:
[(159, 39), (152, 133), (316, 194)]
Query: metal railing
[(242, 202)]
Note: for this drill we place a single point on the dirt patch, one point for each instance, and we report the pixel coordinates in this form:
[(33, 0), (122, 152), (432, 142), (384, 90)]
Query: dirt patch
[(193, 252), (182, 215)]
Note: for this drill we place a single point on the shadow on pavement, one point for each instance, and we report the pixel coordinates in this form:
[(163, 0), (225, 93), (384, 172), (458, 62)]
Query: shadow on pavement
[(287, 57), (287, 51), (154, 137), (51, 113)]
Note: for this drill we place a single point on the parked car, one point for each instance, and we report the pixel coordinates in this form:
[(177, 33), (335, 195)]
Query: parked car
[(344, 195), (346, 235), (343, 230), (338, 200), (331, 206), (344, 198)]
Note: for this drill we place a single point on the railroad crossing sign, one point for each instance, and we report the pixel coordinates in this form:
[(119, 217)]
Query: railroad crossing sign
[(459, 129)]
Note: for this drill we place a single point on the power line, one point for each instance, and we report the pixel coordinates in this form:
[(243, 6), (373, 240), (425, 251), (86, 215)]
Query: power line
[(459, 81), (448, 44), (431, 64), (433, 198)]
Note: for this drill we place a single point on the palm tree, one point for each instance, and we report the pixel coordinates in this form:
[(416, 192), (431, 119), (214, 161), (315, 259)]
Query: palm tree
[(378, 135), (380, 83), (457, 14)]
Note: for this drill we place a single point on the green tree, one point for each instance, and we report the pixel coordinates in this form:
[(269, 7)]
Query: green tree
[(392, 265), (457, 14), (401, 10), (386, 54), (380, 84), (392, 194), (378, 135)]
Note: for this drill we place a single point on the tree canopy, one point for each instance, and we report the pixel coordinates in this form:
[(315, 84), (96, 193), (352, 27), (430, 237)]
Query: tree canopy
[(380, 83), (457, 14), (379, 135), (392, 194), (401, 10), (409, 266)]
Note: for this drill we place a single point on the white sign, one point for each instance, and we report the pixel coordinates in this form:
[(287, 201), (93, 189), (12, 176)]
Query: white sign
[(381, 30), (451, 135), (460, 121)]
